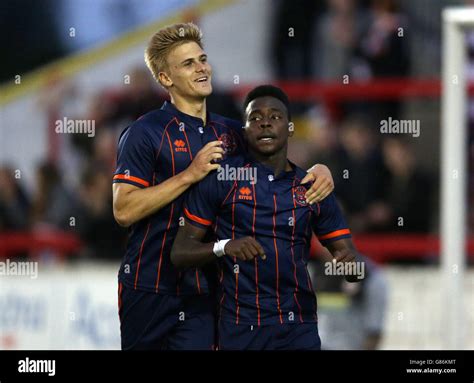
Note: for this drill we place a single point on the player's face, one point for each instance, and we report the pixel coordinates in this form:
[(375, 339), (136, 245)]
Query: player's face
[(189, 72), (266, 126)]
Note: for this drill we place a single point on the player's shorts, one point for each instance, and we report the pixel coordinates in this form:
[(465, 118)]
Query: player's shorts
[(151, 321), (298, 336)]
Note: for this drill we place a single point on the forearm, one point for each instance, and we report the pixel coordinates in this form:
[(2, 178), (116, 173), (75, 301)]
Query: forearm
[(344, 251), (191, 252), (140, 203)]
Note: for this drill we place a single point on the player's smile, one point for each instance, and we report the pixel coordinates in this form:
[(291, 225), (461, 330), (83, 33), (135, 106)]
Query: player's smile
[(190, 71), (203, 81)]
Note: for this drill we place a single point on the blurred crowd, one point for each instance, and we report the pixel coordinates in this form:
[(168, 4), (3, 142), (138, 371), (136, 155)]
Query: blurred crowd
[(82, 203), (380, 183), (379, 180)]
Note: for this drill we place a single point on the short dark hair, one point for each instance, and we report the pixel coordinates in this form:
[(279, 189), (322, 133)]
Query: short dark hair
[(268, 91)]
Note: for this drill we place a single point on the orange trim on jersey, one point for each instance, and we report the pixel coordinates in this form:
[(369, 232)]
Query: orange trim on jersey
[(310, 285), (293, 251), (228, 194), (276, 256), (215, 132), (221, 303), (197, 219), (171, 151), (158, 276), (143, 243), (197, 282), (189, 147), (165, 132), (257, 302), (157, 284), (237, 307), (140, 254), (131, 178), (334, 234)]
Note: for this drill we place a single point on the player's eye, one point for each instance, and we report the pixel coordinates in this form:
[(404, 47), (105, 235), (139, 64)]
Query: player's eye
[(187, 63), (204, 59), (254, 118), (276, 116)]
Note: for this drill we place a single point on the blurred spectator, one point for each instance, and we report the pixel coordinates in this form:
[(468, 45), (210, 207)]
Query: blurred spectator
[(53, 204), (337, 35), (359, 172), (14, 204), (291, 45), (321, 141), (350, 315), (381, 51), (105, 150), (114, 108), (408, 192), (60, 98), (96, 226)]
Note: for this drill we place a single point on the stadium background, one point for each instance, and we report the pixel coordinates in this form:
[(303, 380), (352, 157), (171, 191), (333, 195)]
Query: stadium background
[(347, 65)]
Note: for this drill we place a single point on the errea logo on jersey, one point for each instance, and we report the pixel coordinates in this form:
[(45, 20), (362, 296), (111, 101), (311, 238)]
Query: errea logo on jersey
[(245, 193), (180, 146)]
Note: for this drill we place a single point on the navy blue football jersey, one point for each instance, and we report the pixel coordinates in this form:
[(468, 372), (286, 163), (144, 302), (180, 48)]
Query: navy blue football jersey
[(157, 146), (273, 210)]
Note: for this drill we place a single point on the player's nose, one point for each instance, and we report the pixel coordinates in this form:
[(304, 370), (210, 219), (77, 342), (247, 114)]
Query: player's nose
[(265, 122), (201, 67)]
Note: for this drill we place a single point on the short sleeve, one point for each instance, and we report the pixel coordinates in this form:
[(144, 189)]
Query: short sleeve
[(135, 158), (203, 200), (328, 223)]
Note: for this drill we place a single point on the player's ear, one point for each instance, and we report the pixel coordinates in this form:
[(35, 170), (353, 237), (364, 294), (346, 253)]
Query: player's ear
[(291, 129), (164, 79)]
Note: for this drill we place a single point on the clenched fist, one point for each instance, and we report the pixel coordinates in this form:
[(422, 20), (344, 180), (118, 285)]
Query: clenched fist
[(245, 249)]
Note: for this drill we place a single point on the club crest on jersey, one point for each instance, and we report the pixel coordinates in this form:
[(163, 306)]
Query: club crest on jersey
[(245, 193), (180, 146), (298, 195), (228, 143)]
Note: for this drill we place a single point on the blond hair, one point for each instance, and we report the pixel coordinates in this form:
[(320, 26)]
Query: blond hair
[(165, 40)]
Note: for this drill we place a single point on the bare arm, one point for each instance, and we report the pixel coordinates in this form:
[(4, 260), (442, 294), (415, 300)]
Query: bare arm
[(343, 250), (189, 250), (131, 204)]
